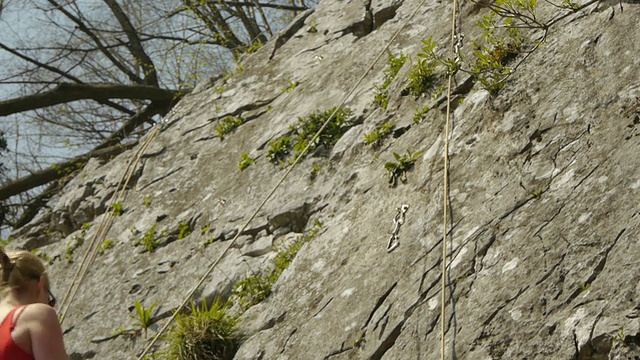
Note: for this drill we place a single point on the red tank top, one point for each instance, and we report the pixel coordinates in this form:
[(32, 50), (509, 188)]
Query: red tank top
[(8, 349)]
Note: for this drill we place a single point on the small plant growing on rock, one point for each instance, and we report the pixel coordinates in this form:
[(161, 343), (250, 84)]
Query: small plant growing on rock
[(106, 245), (398, 170), (421, 77), (245, 161), (76, 242), (292, 86), (279, 149), (117, 209), (254, 47), (149, 240), (374, 138), (184, 230), (394, 64), (420, 114), (143, 316), (255, 288), (206, 333), (314, 172), (306, 129), (228, 125)]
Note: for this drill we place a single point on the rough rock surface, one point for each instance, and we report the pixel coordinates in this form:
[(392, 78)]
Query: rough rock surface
[(545, 194)]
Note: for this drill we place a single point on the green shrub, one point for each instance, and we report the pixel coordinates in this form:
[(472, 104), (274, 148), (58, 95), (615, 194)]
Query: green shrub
[(302, 134), (421, 77), (374, 138), (205, 334), (398, 170), (245, 161), (149, 240), (257, 287), (184, 230), (106, 245), (117, 209), (228, 125), (394, 64)]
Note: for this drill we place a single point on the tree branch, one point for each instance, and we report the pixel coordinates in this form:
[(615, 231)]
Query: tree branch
[(133, 77), (57, 171), (67, 92), (135, 46)]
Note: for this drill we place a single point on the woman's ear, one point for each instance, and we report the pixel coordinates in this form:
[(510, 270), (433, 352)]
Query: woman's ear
[(42, 283)]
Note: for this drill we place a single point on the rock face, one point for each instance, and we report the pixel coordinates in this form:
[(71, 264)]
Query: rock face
[(544, 200)]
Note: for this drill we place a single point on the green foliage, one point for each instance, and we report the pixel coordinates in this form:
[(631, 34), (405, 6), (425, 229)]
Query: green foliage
[(279, 149), (76, 242), (184, 230), (506, 32), (313, 26), (309, 126), (205, 334), (302, 134), (106, 245), (254, 47), (149, 240), (228, 125), (421, 76), (493, 55), (147, 201), (620, 336), (252, 290), (585, 287), (117, 209), (209, 241), (397, 170), (245, 161), (374, 138), (292, 86), (394, 64), (315, 171), (6, 242), (72, 246), (255, 288), (143, 316), (420, 114), (205, 229), (568, 4)]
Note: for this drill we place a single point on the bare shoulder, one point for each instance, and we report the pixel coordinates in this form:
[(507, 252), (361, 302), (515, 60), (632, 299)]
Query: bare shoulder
[(40, 313)]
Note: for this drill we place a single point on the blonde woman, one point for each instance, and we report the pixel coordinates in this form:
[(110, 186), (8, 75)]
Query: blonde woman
[(29, 327)]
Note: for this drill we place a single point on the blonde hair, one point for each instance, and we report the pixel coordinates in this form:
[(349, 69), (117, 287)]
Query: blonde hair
[(18, 267)]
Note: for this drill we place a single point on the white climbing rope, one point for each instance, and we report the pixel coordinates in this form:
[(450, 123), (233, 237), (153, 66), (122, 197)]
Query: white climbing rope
[(456, 44), (93, 247), (398, 220), (270, 194)]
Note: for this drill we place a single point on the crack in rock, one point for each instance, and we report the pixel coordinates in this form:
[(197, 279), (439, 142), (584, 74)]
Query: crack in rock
[(379, 303)]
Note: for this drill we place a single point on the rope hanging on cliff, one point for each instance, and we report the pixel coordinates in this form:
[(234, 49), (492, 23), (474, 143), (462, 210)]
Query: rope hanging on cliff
[(270, 194), (456, 44), (102, 229)]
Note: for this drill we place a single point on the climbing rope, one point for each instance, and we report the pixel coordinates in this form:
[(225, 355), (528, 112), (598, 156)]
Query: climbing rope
[(270, 194), (93, 247), (456, 44)]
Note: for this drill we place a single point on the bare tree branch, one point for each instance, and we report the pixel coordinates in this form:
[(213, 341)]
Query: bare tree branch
[(67, 92), (135, 46), (83, 27), (57, 171)]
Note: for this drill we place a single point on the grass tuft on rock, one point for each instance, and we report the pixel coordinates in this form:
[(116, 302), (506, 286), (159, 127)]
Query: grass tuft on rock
[(207, 333)]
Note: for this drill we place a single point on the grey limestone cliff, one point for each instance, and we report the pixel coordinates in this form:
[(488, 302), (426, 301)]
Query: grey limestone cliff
[(544, 199)]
